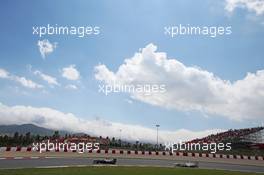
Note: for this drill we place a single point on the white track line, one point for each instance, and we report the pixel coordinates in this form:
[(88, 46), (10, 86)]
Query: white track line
[(62, 166)]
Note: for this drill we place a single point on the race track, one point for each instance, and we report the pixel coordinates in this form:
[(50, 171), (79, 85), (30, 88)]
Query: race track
[(82, 161)]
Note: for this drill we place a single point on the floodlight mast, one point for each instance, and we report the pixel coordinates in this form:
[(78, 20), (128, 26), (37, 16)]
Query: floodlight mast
[(157, 126)]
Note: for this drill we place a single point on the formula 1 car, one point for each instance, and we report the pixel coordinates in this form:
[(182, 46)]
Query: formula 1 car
[(187, 164), (105, 161)]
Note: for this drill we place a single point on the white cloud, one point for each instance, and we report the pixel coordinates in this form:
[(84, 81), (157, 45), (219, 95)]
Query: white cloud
[(49, 79), (49, 118), (3, 73), (21, 80), (71, 86), (129, 101), (256, 6), (70, 73), (26, 82), (189, 88), (45, 47)]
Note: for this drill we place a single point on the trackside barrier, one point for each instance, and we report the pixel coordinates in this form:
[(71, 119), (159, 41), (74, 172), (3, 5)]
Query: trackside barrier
[(145, 153)]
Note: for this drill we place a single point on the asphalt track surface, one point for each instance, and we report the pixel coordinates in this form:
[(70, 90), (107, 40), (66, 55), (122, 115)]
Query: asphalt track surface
[(80, 161)]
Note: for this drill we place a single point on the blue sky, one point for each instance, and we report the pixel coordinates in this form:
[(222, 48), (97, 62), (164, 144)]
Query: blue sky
[(125, 27)]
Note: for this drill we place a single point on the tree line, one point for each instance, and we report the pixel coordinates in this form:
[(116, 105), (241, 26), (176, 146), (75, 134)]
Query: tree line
[(27, 139)]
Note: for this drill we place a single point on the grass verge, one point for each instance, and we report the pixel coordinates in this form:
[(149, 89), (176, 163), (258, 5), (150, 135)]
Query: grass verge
[(107, 170)]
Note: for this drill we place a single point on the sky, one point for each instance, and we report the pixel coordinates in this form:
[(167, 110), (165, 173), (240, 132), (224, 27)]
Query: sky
[(212, 83)]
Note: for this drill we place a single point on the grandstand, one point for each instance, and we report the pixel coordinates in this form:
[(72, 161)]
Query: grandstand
[(251, 137), (256, 137)]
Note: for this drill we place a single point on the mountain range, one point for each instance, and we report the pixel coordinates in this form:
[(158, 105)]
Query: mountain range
[(23, 129)]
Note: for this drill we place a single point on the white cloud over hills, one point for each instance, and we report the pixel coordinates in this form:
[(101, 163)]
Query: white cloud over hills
[(189, 88), (54, 119)]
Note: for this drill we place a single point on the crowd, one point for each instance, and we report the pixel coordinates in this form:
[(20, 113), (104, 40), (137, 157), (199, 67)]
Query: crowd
[(228, 135)]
